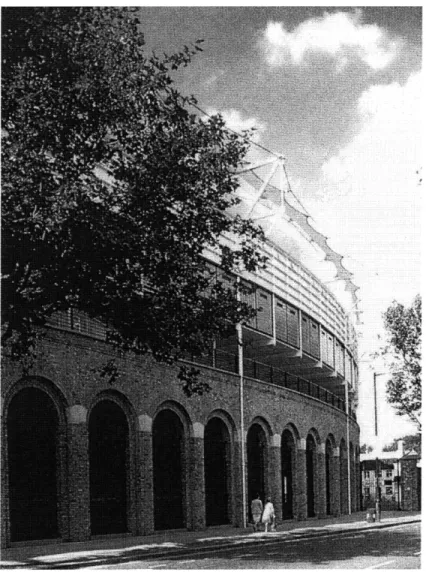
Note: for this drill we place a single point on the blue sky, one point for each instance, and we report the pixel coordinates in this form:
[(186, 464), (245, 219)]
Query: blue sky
[(337, 91)]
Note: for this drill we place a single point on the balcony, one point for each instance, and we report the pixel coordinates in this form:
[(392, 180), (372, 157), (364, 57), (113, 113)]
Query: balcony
[(217, 358)]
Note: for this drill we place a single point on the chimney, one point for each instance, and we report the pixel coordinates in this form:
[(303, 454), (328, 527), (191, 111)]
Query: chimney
[(400, 448)]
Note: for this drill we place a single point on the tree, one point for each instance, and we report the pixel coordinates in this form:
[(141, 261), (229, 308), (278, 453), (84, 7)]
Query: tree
[(403, 326), (411, 442), (366, 448), (81, 98)]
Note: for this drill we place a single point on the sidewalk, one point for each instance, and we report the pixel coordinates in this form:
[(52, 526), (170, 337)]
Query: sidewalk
[(109, 550)]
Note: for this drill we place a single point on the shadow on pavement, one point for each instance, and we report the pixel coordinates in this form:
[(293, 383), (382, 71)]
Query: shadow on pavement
[(393, 542)]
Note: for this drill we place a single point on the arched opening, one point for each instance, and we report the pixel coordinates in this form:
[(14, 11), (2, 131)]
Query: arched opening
[(32, 431), (310, 474), (217, 473), (328, 476), (108, 458), (343, 478), (256, 461), (287, 466), (353, 477), (168, 460)]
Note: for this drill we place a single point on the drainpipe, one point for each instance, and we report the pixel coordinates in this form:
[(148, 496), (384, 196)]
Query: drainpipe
[(348, 447), (243, 452)]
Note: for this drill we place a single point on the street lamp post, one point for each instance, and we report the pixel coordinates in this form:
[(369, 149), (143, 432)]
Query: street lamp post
[(378, 464)]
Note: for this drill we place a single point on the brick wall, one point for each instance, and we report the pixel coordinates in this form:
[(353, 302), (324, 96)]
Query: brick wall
[(68, 368)]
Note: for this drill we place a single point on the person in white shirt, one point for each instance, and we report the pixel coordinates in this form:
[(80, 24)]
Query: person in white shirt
[(269, 515)]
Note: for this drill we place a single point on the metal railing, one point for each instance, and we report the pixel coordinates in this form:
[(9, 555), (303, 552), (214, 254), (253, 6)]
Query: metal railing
[(219, 359), (253, 369)]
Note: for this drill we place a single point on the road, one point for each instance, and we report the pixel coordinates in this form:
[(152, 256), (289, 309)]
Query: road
[(390, 548)]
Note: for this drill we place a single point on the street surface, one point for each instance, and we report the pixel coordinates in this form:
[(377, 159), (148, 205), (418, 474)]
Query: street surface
[(390, 548)]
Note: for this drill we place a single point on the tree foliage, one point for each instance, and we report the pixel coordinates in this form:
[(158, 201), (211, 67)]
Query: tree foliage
[(411, 443), (111, 182), (403, 326)]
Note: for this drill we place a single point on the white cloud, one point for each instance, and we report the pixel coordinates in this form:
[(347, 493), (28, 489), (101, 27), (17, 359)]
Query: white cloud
[(383, 157), (372, 209), (338, 35), (238, 123)]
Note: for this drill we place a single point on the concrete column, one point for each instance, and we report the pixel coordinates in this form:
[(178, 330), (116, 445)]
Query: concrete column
[(274, 477), (320, 489), (145, 478), (299, 482), (335, 483), (196, 494), (78, 475)]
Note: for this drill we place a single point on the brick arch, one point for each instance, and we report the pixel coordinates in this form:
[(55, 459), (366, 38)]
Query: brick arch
[(358, 477), (180, 411), (60, 404), (313, 485), (332, 477), (289, 481), (353, 476), (122, 401), (226, 418), (220, 467), (331, 439), (128, 464), (292, 429), (344, 509), (180, 463), (315, 435), (266, 426), (258, 462), (44, 384)]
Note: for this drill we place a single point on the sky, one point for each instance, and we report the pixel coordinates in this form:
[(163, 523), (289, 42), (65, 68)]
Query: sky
[(337, 91)]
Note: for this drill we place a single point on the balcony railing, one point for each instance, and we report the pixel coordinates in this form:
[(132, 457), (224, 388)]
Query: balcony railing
[(253, 369), (78, 322)]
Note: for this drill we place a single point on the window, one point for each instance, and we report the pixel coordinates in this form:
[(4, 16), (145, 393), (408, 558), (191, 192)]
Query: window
[(389, 473), (367, 491), (366, 474), (388, 491)]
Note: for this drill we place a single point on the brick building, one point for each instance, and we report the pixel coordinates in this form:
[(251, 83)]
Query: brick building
[(82, 457), (399, 479)]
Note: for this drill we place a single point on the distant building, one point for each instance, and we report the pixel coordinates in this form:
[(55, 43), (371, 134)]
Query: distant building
[(399, 479)]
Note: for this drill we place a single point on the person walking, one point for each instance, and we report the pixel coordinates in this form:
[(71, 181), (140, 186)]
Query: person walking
[(256, 511), (269, 515)]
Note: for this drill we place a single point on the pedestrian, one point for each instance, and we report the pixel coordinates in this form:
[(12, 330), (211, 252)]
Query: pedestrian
[(269, 515), (256, 511)]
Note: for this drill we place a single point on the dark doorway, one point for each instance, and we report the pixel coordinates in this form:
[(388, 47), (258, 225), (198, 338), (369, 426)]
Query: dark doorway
[(32, 429), (256, 462), (217, 472), (343, 479), (108, 454), (168, 459), (287, 456), (310, 474), (328, 475)]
